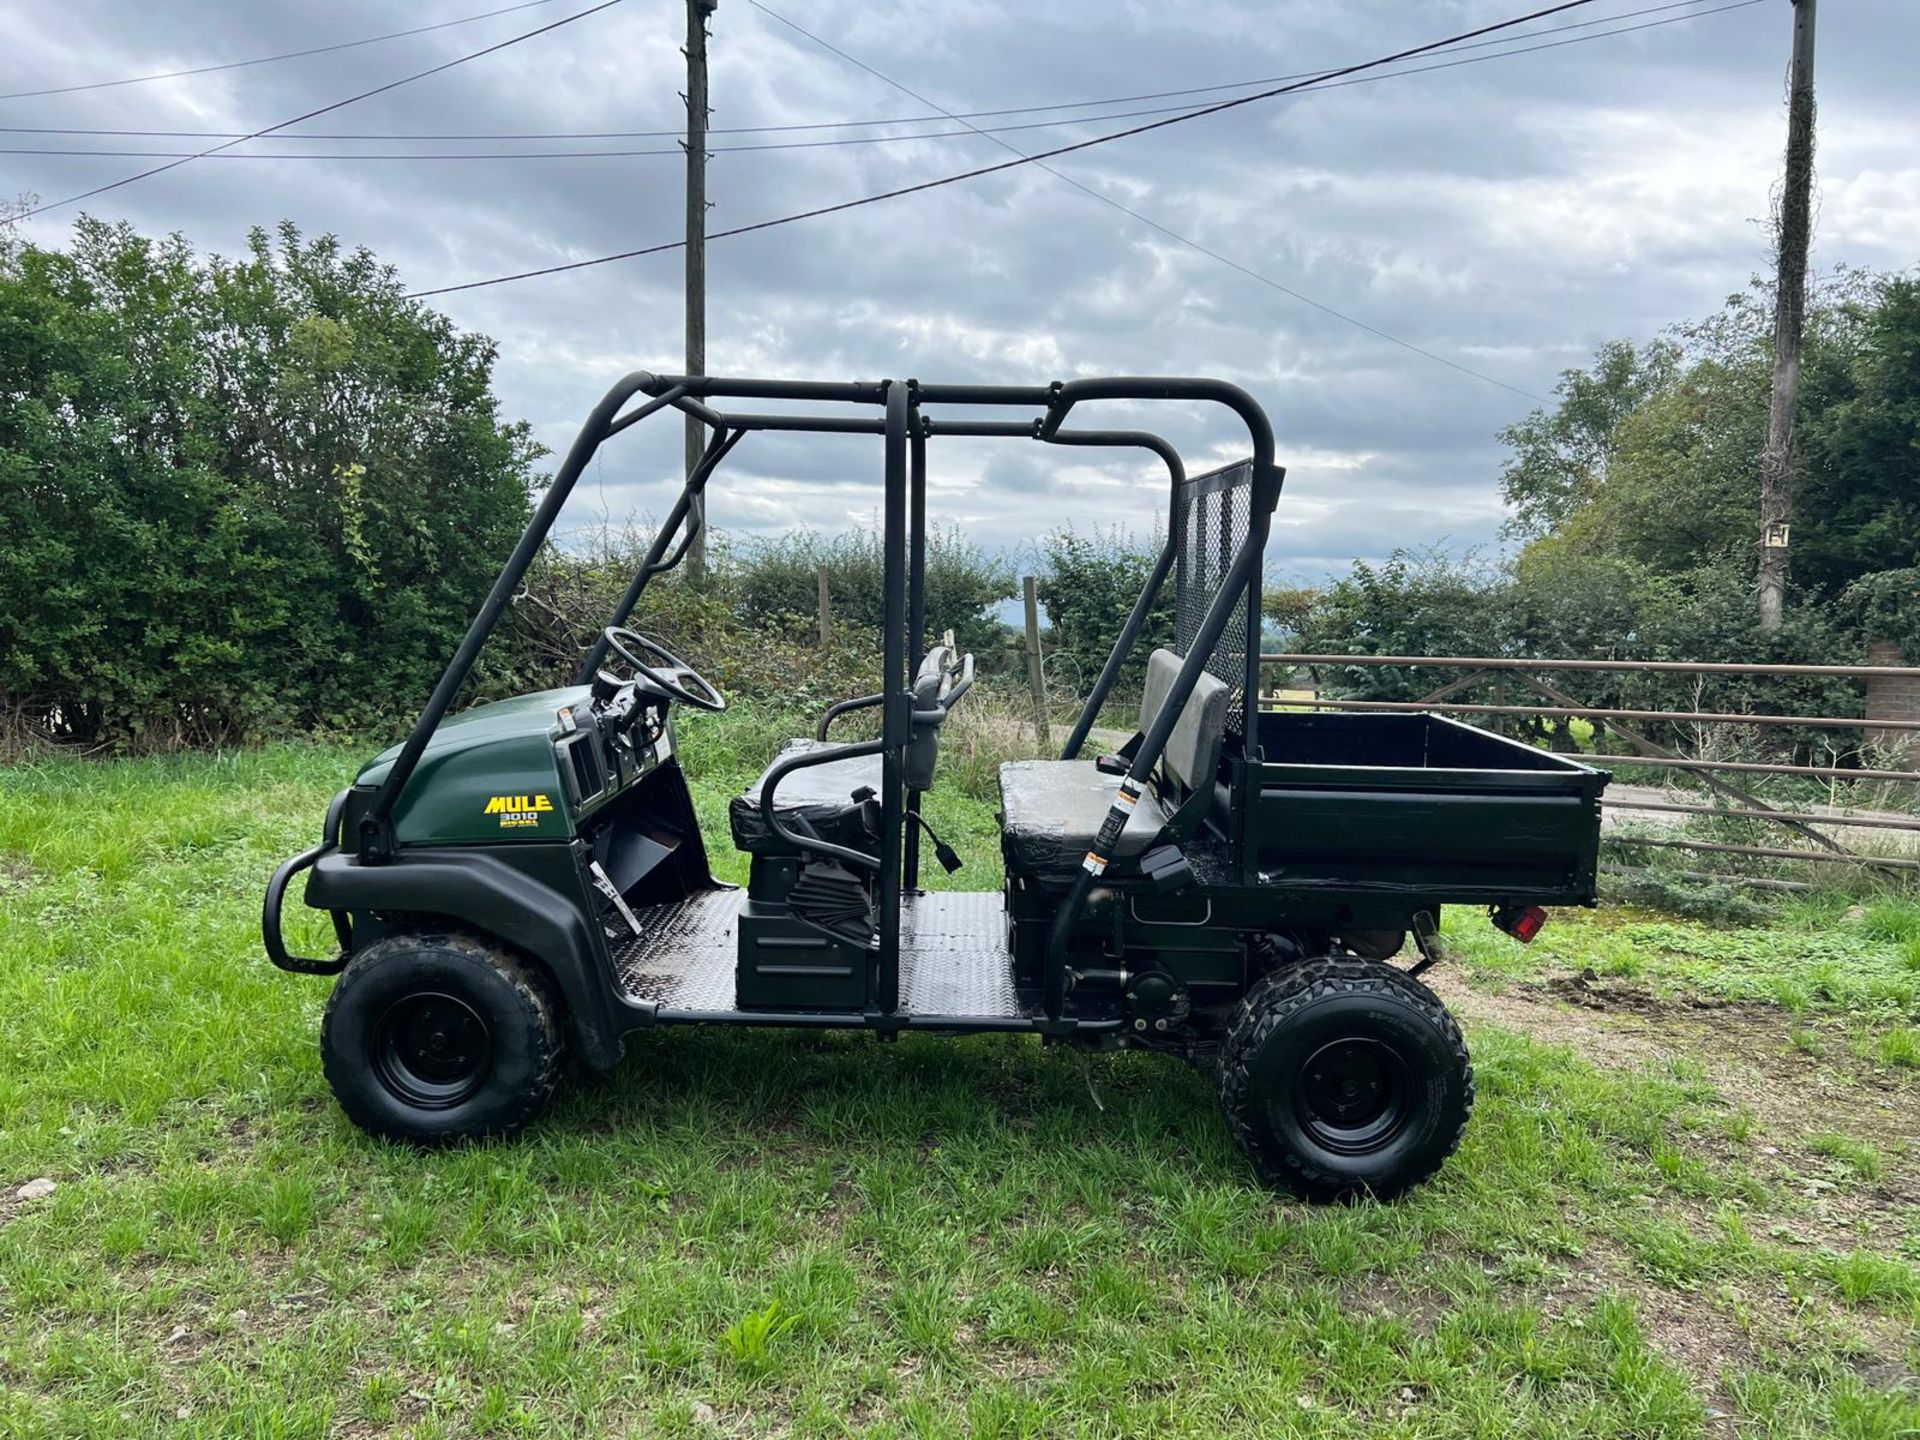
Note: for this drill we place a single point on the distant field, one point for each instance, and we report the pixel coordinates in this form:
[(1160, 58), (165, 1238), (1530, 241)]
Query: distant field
[(1689, 1202)]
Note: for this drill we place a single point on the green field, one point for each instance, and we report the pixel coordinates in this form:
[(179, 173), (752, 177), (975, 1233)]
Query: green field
[(1689, 1202)]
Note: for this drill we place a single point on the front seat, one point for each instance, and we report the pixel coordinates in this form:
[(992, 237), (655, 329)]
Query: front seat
[(1051, 810), (820, 798)]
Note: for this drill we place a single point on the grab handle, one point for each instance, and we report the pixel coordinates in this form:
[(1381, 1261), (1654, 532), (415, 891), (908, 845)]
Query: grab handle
[(270, 933)]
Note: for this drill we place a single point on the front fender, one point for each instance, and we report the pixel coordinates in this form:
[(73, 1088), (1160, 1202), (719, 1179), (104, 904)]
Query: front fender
[(490, 895)]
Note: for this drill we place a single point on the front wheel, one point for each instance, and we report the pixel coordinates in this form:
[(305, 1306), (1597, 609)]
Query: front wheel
[(440, 1037), (1343, 1078)]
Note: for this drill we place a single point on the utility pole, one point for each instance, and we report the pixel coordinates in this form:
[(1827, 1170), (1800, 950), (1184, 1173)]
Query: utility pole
[(696, 97), (1794, 236)]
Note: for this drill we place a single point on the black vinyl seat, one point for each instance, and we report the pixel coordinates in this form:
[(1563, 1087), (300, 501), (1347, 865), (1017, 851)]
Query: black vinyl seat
[(821, 796), (1051, 810)]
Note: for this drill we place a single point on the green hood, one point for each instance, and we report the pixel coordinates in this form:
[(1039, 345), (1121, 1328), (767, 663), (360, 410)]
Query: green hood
[(488, 774)]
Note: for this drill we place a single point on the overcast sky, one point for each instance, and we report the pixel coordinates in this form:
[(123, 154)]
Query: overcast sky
[(1509, 216)]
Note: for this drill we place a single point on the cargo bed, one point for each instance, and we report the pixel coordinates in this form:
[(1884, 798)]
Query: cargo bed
[(1422, 805)]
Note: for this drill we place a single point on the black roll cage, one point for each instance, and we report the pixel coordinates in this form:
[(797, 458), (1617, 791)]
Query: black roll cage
[(905, 428)]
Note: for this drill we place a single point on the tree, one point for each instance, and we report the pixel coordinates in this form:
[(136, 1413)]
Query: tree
[(1561, 457), (1285, 611), (1649, 455), (1090, 588), (1858, 505), (241, 496)]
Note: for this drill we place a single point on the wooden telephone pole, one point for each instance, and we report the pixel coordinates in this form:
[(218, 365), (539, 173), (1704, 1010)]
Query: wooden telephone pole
[(696, 53), (1795, 235)]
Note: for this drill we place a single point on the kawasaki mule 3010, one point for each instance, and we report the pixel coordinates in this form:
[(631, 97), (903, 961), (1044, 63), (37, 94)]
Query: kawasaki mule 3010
[(1233, 887)]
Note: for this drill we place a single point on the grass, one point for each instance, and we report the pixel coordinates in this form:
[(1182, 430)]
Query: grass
[(1854, 1157), (1897, 921), (818, 1235), (1817, 957)]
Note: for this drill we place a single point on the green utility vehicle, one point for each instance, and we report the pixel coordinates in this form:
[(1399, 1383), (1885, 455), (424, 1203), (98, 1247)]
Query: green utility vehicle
[(1233, 887)]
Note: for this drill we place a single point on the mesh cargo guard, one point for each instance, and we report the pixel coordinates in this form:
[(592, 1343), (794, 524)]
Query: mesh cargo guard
[(1215, 513)]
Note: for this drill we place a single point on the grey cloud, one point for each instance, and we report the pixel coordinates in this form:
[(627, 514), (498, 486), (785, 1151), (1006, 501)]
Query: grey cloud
[(1509, 216)]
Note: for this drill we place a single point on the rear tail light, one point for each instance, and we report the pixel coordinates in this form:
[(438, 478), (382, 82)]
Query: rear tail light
[(1523, 922)]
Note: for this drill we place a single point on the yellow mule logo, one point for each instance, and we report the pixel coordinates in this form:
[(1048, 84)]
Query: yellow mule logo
[(518, 811)]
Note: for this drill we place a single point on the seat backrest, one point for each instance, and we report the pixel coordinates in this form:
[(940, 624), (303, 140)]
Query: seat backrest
[(923, 749), (1193, 750), (933, 670)]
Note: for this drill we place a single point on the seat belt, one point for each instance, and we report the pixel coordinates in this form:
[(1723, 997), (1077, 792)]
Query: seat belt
[(1186, 817)]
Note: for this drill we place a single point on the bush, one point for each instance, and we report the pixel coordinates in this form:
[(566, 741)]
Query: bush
[(775, 584), (241, 497), (1416, 603), (1709, 901), (1091, 585), (1561, 603), (568, 597)]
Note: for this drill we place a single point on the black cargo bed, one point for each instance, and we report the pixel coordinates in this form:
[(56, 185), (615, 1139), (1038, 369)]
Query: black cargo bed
[(1420, 804)]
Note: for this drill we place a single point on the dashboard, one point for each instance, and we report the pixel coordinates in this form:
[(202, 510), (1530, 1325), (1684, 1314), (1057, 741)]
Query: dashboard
[(604, 747)]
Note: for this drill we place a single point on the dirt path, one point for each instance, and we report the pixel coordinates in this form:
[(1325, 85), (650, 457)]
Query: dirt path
[(1799, 1080), (1784, 1103), (1749, 1052)]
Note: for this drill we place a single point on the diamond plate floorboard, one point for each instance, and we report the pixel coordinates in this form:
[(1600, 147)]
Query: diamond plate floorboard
[(684, 956), (953, 955)]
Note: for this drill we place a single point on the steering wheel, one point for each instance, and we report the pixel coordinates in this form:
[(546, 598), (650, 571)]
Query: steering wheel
[(623, 642)]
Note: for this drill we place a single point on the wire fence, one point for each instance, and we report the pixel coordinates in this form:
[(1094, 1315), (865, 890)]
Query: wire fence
[(1812, 814)]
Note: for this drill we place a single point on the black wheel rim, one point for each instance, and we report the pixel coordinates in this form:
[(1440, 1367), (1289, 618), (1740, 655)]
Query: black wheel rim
[(432, 1050), (1354, 1095)]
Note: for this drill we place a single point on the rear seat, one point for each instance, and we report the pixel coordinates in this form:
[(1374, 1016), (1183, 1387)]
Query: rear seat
[(1052, 809)]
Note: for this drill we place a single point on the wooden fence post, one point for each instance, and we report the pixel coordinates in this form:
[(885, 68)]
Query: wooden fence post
[(826, 611), (1042, 729)]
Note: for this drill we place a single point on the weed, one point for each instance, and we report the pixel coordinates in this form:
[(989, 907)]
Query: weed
[(1900, 1047), (1865, 1278), (1895, 920), (749, 1341), (1855, 1156)]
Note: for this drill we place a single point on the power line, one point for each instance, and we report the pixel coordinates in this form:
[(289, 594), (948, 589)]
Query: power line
[(568, 154), (1004, 165), (269, 59), (672, 150), (1156, 225), (322, 110), (1127, 210), (960, 116), (979, 171)]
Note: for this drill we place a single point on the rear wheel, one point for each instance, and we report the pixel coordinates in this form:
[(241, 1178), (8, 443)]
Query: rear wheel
[(1343, 1078), (435, 1037)]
